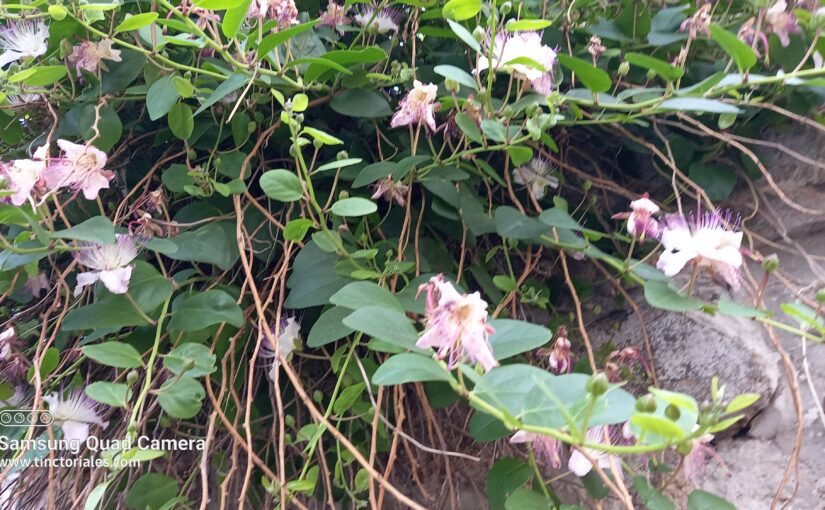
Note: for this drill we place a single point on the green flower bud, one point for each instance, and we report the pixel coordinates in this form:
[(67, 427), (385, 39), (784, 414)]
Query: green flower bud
[(65, 48), (343, 195), (192, 154), (705, 407), (646, 404), (624, 68), (451, 85), (342, 155), (684, 448), (771, 263), (598, 384), (479, 34), (505, 8), (587, 185), (318, 144), (289, 420), (188, 365), (820, 296), (58, 12), (251, 126), (318, 396), (299, 118), (673, 412), (131, 377), (651, 74)]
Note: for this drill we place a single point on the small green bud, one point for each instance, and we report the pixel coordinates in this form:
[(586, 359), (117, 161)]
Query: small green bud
[(342, 155), (318, 396), (646, 404), (705, 407), (505, 8), (684, 448), (587, 185), (820, 296), (259, 117), (318, 144), (192, 154), (651, 74), (289, 420), (624, 68), (251, 126), (287, 439), (58, 12), (66, 48), (343, 195), (131, 377), (771, 263), (479, 34), (673, 412), (299, 118), (188, 365), (598, 384), (451, 85)]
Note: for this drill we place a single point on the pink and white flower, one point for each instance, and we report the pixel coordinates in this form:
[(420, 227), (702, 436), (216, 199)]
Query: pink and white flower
[(81, 167), (640, 219), (700, 453), (456, 325), (781, 22), (284, 11), (417, 107), (535, 175), (110, 264), (710, 240), (289, 339), (547, 449), (22, 39), (579, 463), (22, 175), (383, 21), (335, 15), (391, 190), (75, 414), (559, 358), (507, 48), (90, 55)]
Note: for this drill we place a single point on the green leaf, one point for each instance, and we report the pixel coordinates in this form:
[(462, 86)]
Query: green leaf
[(697, 104), (338, 163), (93, 501), (339, 59), (361, 103), (136, 21), (111, 394), (181, 121), (384, 324), (661, 295), (231, 84), (198, 355), (527, 24), (460, 10), (354, 206), (465, 35), (662, 68), (504, 477), (654, 500), (457, 74), (203, 309), (151, 491), (49, 362), (519, 154), (680, 400), (211, 244), (98, 229), (469, 127), (297, 229), (233, 18), (181, 397), (123, 73), (514, 337), (313, 279), (329, 327), (659, 425), (282, 185), (701, 500), (272, 41), (359, 294), (374, 172), (741, 401), (39, 76), (592, 77), (217, 5), (740, 52), (737, 310), (718, 181), (512, 224), (322, 137), (161, 97), (525, 499), (409, 367), (113, 354)]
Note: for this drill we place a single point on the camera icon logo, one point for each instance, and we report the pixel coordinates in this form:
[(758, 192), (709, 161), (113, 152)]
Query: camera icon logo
[(25, 418)]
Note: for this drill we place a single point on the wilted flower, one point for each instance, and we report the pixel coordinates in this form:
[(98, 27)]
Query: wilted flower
[(89, 55), (548, 449), (37, 284), (623, 358), (80, 168), (391, 191), (781, 22), (284, 11), (520, 45), (535, 175), (707, 241), (6, 338), (559, 357), (640, 220), (22, 39), (747, 34), (700, 452), (22, 175), (23, 99), (456, 324), (580, 465), (335, 15), (699, 23), (595, 47), (288, 339), (110, 263), (74, 414), (418, 106), (383, 21)]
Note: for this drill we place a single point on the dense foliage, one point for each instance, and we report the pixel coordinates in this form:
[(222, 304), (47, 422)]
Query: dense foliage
[(251, 223)]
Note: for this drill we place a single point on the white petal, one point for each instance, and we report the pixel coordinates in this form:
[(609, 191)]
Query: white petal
[(74, 430), (84, 279), (117, 280), (579, 464), (671, 262), (9, 56)]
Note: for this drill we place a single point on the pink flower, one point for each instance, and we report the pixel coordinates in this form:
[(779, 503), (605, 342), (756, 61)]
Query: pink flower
[(110, 263), (22, 39), (747, 34), (707, 241), (418, 106), (391, 191), (456, 324), (508, 48), (558, 357), (701, 452), (383, 21), (579, 463), (781, 22), (335, 15), (22, 175), (640, 220), (89, 55), (548, 449), (79, 168), (699, 23), (282, 10)]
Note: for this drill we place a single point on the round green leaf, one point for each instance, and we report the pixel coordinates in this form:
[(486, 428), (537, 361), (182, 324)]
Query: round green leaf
[(181, 121), (354, 206), (282, 185)]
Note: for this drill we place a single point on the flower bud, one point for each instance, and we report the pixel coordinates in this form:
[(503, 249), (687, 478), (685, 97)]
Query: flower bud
[(451, 85), (289, 420), (651, 74), (505, 8), (192, 154), (299, 118), (131, 377), (251, 126), (318, 396), (318, 144), (587, 185), (343, 195), (624, 68), (771, 263), (342, 155), (66, 48), (646, 404), (673, 412), (58, 12), (479, 34), (188, 365), (819, 18), (598, 384), (684, 448)]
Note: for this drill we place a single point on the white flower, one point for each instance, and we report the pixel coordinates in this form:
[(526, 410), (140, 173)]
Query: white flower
[(22, 39), (288, 341), (580, 465), (74, 414), (110, 263), (535, 175), (418, 106), (89, 55), (548, 449), (386, 20), (456, 325), (640, 220), (706, 241), (5, 342), (521, 45), (81, 167), (21, 175)]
